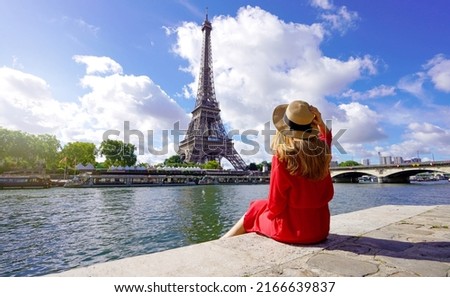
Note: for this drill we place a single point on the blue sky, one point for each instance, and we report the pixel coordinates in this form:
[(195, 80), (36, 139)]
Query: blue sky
[(378, 70)]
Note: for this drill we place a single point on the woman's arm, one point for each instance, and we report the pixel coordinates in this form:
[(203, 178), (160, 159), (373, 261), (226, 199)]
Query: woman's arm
[(318, 123)]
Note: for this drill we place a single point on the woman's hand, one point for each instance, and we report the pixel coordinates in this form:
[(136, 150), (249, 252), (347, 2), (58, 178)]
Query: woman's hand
[(318, 121)]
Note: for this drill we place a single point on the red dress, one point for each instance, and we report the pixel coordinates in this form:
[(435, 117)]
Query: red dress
[(296, 210)]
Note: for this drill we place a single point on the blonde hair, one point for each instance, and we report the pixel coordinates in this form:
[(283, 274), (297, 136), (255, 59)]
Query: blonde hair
[(306, 157)]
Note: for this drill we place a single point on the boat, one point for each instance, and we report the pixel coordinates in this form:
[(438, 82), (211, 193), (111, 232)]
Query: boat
[(24, 182), (161, 178), (58, 182), (206, 180), (367, 179), (428, 179), (126, 180)]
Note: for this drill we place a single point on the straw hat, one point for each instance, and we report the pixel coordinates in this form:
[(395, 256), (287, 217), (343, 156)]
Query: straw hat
[(294, 120)]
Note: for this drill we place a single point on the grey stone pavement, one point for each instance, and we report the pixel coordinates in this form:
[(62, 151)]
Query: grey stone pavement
[(390, 240)]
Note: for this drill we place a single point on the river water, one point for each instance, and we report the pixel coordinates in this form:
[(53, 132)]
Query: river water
[(52, 230)]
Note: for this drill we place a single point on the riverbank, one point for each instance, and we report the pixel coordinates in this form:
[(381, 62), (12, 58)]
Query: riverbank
[(387, 240)]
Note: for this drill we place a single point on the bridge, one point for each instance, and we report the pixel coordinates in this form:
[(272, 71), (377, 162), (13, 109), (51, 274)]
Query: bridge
[(395, 173)]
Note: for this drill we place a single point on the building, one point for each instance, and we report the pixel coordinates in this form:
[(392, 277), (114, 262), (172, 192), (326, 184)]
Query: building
[(398, 160), (385, 160), (413, 160), (365, 162)]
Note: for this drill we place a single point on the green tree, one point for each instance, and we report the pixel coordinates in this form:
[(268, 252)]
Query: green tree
[(264, 164), (349, 163), (213, 164), (174, 161), (74, 153), (20, 150), (15, 145), (252, 166), (118, 153), (46, 148), (142, 164)]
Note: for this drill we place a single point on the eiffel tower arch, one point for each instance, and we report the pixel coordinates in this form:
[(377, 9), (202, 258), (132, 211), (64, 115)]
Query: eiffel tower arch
[(206, 138)]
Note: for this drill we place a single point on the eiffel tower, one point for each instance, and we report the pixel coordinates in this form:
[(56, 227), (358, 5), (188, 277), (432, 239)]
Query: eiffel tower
[(206, 138)]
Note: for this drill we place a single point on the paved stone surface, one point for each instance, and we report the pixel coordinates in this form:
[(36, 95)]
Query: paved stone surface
[(382, 241)]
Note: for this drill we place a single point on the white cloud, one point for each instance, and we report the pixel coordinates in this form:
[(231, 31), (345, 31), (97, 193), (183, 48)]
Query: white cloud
[(323, 4), (361, 124), (377, 92), (439, 72), (121, 98), (115, 99), (27, 103), (428, 133), (407, 149), (101, 65), (413, 84), (16, 64), (82, 24), (87, 27), (423, 139), (400, 114), (337, 18)]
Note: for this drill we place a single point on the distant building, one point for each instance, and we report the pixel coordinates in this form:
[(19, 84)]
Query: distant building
[(398, 160), (365, 162), (385, 160), (334, 164), (413, 160)]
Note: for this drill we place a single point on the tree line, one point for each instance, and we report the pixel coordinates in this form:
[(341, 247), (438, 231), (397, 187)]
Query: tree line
[(23, 151)]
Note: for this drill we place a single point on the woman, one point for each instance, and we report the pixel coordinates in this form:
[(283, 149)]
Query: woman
[(296, 210)]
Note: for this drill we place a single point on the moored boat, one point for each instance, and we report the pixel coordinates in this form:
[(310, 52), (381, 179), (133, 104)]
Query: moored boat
[(126, 180), (163, 178), (428, 179), (24, 182), (367, 179)]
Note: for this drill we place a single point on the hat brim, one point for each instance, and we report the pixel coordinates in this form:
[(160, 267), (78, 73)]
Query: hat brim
[(283, 128)]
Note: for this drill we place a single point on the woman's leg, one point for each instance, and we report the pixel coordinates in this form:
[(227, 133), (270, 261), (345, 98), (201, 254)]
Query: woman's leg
[(237, 229)]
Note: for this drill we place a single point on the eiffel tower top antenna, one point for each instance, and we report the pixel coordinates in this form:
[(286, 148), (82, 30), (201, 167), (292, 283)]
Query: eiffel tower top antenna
[(206, 93)]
